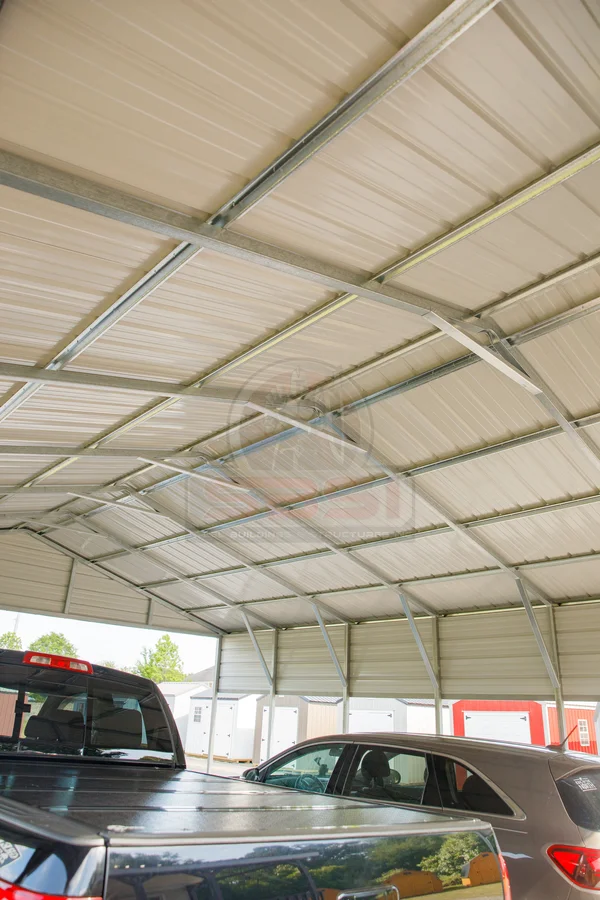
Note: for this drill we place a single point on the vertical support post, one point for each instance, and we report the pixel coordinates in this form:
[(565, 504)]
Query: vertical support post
[(213, 709), (558, 691), (70, 586), (272, 696), (346, 688), (419, 641), (539, 637), (259, 652), (330, 646), (437, 695)]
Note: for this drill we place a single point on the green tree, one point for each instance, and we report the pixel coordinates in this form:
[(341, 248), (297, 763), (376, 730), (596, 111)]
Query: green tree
[(54, 642), (163, 663), (109, 664), (456, 850), (10, 641)]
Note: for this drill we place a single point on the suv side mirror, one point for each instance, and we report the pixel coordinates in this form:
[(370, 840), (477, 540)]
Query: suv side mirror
[(251, 774)]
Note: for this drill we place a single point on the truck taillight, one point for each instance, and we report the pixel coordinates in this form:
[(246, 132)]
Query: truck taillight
[(53, 661), (14, 892), (505, 878), (581, 865)]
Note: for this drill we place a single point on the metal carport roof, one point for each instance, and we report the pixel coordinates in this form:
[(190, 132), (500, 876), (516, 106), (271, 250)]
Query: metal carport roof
[(300, 310)]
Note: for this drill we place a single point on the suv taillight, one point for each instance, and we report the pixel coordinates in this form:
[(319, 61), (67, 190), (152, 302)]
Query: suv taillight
[(581, 865), (505, 878), (53, 661), (14, 892)]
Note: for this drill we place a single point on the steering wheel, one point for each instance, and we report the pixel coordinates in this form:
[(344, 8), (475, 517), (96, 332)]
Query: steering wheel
[(309, 783), (394, 777)]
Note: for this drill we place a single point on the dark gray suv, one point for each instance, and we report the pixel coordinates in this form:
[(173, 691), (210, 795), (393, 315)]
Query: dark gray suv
[(544, 804)]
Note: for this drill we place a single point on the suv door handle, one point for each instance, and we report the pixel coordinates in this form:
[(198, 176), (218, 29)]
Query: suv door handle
[(381, 890)]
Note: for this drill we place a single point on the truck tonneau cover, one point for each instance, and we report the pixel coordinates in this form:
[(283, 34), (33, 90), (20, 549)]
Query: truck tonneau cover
[(131, 804)]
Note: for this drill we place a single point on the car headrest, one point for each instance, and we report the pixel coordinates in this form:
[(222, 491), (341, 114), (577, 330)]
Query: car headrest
[(478, 796), (118, 729), (375, 765), (63, 726)]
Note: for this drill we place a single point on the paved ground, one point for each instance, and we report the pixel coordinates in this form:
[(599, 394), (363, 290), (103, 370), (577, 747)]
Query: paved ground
[(219, 767)]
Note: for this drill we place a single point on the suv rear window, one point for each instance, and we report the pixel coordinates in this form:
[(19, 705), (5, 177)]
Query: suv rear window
[(580, 793), (60, 712)]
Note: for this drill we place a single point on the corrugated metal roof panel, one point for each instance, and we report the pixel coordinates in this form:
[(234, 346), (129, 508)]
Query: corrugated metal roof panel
[(526, 476), (199, 98), (67, 415), (385, 186), (135, 527), (193, 556), (83, 541), (567, 360), (58, 266), (15, 469), (200, 318), (328, 574), (137, 569), (303, 466), (463, 411), (199, 503), (375, 512), (553, 534), (246, 585), (472, 593), (437, 555), (372, 604), (271, 537), (573, 579)]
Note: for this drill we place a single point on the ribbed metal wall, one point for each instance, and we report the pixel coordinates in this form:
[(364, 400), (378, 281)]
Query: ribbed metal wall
[(241, 669), (578, 635), (385, 661), (493, 655), (304, 665), (481, 656)]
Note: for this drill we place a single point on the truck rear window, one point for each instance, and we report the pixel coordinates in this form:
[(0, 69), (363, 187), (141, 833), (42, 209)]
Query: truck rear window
[(65, 713), (580, 793)]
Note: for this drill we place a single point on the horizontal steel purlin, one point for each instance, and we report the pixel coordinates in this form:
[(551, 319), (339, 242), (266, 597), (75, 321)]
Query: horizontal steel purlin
[(218, 573), (438, 579)]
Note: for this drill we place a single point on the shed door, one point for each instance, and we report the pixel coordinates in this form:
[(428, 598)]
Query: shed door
[(224, 729), (370, 720), (285, 733), (499, 726)]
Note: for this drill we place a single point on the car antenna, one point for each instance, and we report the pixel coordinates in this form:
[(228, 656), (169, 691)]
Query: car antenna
[(561, 746)]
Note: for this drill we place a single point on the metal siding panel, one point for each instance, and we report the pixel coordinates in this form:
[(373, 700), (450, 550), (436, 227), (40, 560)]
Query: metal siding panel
[(304, 665), (493, 655), (241, 670), (578, 633), (32, 577), (385, 661)]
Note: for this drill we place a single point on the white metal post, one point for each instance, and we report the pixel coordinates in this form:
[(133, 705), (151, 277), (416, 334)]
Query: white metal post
[(272, 697), (346, 688), (213, 709), (558, 691), (439, 705)]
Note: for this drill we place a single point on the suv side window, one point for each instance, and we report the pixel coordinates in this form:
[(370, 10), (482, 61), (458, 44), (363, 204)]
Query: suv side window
[(462, 789), (307, 769), (398, 776)]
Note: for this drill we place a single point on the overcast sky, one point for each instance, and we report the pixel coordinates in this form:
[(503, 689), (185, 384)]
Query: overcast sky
[(120, 645)]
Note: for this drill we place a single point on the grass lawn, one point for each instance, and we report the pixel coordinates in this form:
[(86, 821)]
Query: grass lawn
[(481, 892)]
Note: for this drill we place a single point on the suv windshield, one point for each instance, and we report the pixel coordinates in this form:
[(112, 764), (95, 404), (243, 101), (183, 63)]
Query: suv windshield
[(60, 712), (580, 793)]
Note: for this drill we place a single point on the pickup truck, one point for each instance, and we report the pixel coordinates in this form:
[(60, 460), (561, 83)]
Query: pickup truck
[(96, 802)]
